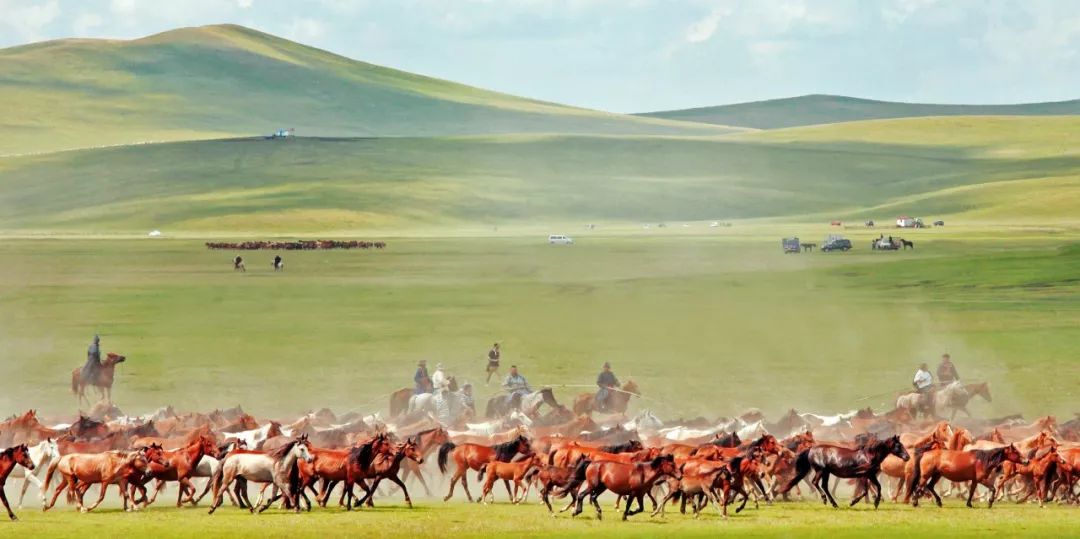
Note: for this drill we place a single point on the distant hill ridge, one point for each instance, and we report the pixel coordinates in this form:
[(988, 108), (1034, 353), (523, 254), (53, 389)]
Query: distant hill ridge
[(824, 109), (227, 80)]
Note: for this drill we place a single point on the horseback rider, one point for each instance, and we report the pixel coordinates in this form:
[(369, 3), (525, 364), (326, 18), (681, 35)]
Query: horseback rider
[(277, 262), (421, 379), (467, 398), (238, 263), (93, 360), (923, 383), (606, 380), (515, 383), (946, 372), (439, 381), (493, 362)]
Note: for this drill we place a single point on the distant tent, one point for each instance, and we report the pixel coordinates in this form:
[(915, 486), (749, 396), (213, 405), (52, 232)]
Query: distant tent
[(154, 233)]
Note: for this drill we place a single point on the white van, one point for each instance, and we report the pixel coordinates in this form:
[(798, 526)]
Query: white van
[(559, 239)]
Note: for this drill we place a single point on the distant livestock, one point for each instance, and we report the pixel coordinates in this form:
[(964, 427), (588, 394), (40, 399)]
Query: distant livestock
[(304, 245)]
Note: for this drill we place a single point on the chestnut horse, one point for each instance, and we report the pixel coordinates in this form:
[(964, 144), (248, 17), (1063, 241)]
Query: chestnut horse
[(385, 465), (103, 379), (507, 472), (630, 480), (181, 464), (863, 462), (475, 456), (9, 457), (977, 466), (618, 401), (427, 442), (79, 471)]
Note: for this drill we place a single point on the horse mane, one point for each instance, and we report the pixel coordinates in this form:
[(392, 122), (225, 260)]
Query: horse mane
[(619, 448), (280, 452), (506, 450), (991, 458), (365, 453)]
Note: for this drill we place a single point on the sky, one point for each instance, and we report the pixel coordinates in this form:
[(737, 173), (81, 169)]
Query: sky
[(645, 55)]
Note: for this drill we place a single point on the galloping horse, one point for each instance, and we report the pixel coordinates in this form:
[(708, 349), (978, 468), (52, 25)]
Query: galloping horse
[(475, 456), (182, 464), (528, 403), (977, 466), (427, 442), (277, 468), (847, 463), (42, 455), (631, 480), (618, 401), (103, 379), (8, 459), (385, 465), (955, 397), (81, 470)]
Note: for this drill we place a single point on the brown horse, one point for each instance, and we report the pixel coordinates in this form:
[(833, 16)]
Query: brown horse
[(428, 441), (475, 456), (507, 472), (181, 463), (1039, 472), (617, 403), (87, 428), (977, 466), (358, 466), (385, 465), (630, 480), (103, 379), (79, 471), (25, 429), (9, 457)]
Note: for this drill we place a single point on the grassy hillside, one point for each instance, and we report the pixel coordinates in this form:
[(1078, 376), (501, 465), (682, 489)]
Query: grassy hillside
[(827, 109), (216, 81), (396, 184)]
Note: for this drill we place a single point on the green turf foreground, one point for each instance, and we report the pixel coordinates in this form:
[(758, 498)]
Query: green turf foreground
[(502, 520)]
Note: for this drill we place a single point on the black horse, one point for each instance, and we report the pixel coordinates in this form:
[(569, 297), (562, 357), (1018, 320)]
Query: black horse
[(861, 463)]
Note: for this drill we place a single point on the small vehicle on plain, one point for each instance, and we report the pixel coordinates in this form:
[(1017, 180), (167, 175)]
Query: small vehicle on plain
[(559, 239), (836, 243), (791, 245)]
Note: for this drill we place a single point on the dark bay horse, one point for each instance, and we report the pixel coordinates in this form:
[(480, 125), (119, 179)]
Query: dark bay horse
[(475, 457), (858, 463)]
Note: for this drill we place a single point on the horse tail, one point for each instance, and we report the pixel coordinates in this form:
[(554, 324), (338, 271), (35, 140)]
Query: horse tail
[(917, 474), (802, 467), (576, 479), (75, 375), (49, 474), (444, 452), (480, 473)]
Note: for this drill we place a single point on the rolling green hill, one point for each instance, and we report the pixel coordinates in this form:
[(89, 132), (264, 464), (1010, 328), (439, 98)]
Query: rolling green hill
[(827, 109), (227, 81), (395, 184)]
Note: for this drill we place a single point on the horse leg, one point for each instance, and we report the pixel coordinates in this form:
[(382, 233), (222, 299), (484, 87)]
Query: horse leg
[(595, 493), (453, 481), (930, 486), (397, 481), (877, 486), (65, 482), (101, 496), (465, 485), (3, 498), (825, 487)]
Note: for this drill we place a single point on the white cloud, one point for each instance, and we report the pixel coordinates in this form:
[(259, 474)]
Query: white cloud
[(244, 4), (29, 21), (899, 11), (86, 22), (704, 29)]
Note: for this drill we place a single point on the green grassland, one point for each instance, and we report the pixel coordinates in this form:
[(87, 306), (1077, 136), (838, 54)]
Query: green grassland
[(708, 322), (830, 109), (531, 520), (226, 80), (392, 185)]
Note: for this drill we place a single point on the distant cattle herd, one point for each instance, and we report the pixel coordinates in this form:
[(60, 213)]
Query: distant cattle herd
[(303, 245)]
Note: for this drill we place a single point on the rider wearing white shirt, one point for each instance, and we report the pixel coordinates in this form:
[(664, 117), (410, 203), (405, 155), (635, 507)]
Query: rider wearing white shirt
[(439, 381), (923, 379)]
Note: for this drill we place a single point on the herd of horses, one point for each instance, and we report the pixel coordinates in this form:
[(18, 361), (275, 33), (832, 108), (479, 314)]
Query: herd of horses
[(576, 455), (301, 245)]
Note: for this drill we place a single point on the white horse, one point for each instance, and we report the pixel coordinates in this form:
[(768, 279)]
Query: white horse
[(448, 407), (830, 420), (273, 468), (646, 423), (42, 456), (254, 437), (752, 431)]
